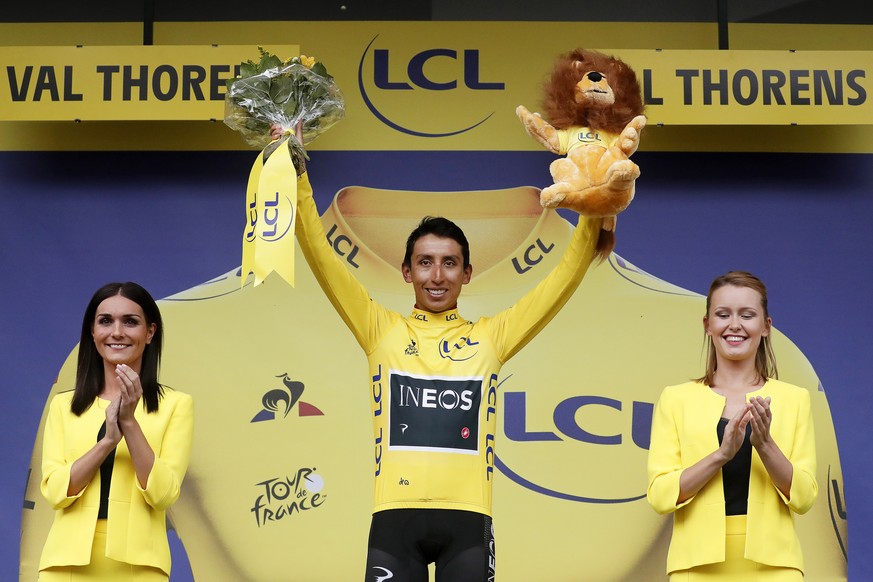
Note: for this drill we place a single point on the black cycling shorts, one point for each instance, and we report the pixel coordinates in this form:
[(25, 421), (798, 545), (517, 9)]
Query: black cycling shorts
[(404, 541)]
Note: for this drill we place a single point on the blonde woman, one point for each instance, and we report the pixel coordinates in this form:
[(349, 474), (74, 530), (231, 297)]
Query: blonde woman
[(732, 454)]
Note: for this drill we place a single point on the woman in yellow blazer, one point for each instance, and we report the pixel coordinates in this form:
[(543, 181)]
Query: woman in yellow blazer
[(115, 449), (732, 454)]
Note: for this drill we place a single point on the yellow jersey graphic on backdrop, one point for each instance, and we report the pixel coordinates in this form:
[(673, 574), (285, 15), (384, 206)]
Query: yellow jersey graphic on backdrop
[(280, 485)]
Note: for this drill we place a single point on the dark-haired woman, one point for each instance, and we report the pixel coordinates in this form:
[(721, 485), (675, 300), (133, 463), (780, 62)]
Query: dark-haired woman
[(732, 453), (115, 449)]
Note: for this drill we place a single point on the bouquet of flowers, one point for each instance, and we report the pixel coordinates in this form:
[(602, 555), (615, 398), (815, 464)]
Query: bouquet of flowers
[(272, 91)]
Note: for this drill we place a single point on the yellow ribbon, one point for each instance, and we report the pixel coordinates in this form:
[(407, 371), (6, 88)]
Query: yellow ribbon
[(271, 203)]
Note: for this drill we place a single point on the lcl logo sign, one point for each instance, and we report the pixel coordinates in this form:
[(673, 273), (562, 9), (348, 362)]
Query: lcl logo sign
[(417, 78)]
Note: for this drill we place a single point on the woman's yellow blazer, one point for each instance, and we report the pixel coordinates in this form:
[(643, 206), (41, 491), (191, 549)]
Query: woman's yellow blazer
[(684, 431), (136, 526)]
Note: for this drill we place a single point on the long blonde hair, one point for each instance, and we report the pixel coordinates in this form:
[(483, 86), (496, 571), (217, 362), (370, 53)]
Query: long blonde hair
[(765, 360)]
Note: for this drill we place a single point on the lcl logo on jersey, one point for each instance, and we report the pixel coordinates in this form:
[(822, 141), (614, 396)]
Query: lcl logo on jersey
[(282, 400), (532, 256), (458, 349), (343, 246), (454, 74)]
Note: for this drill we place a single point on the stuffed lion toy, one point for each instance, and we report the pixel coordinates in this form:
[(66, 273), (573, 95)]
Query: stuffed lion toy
[(592, 113)]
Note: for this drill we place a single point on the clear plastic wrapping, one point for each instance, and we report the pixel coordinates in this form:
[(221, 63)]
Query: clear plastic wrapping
[(272, 92)]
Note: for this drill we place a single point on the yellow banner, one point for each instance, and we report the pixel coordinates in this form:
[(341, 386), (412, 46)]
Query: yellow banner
[(428, 86), (120, 82), (462, 84), (755, 87), (271, 201)]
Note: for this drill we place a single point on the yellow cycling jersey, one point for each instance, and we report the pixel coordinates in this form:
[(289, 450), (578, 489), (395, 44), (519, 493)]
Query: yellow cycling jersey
[(434, 376)]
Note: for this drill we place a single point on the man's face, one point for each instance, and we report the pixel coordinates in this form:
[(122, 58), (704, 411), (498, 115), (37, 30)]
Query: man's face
[(437, 272)]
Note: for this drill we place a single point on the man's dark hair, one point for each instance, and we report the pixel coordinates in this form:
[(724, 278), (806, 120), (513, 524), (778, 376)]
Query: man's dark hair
[(441, 227)]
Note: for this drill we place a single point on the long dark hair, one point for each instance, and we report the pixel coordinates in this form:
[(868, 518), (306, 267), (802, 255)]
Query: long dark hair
[(765, 359), (89, 371)]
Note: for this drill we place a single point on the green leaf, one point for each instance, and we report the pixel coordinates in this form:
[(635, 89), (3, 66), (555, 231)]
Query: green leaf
[(290, 107), (268, 62), (319, 69), (247, 69), (318, 92), (257, 86), (280, 89)]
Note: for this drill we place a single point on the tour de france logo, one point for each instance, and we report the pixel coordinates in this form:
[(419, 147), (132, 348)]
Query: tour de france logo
[(280, 401), (282, 498)]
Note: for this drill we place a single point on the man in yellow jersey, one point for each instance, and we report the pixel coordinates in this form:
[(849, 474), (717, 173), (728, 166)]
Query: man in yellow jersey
[(434, 380)]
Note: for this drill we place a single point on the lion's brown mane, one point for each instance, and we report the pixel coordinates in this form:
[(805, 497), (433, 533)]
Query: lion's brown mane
[(560, 108)]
